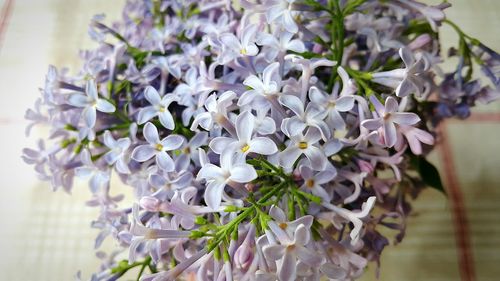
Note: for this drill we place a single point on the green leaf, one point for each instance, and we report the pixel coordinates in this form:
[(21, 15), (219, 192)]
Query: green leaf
[(428, 173)]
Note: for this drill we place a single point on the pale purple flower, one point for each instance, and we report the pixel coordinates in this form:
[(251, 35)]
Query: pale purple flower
[(313, 181), (117, 153), (334, 103), (262, 89), (355, 217), (96, 176), (149, 235), (388, 117), (304, 144), (415, 137), (233, 48), (405, 81), (229, 173), (278, 44), (312, 116), (91, 103), (245, 143), (280, 11), (290, 250), (159, 107), (216, 111), (157, 148)]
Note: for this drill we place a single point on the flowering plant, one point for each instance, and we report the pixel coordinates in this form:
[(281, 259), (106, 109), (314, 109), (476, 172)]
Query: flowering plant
[(263, 140)]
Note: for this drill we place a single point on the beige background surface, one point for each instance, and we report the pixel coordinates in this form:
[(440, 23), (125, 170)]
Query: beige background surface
[(45, 236)]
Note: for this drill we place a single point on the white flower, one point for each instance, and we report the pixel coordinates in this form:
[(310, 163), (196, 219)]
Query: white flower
[(96, 176), (233, 48), (278, 44), (216, 111), (313, 182), (289, 251), (300, 144), (91, 103), (334, 103), (262, 89), (245, 144), (280, 11), (229, 173), (406, 81), (158, 107), (157, 148), (116, 155), (353, 216), (143, 234), (387, 117), (312, 116)]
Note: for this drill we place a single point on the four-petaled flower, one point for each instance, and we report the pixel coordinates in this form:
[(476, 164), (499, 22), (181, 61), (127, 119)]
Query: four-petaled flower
[(300, 144), (116, 155), (91, 103), (229, 173), (157, 148), (290, 250), (388, 116), (406, 81), (158, 107), (245, 143)]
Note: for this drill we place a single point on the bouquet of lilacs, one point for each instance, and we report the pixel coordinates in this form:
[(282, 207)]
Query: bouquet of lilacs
[(263, 140)]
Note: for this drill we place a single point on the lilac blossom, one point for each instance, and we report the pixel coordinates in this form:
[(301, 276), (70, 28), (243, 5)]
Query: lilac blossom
[(261, 125), (157, 148), (387, 118), (159, 107), (91, 103)]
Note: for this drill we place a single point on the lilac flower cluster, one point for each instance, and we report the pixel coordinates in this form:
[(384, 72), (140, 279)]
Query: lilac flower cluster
[(257, 136)]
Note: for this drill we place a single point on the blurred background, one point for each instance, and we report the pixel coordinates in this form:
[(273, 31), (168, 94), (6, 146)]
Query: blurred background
[(46, 236)]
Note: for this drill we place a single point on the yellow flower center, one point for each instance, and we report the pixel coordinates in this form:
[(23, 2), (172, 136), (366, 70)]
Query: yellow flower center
[(162, 109), (283, 225), (310, 183), (302, 145), (243, 51), (159, 147), (245, 148)]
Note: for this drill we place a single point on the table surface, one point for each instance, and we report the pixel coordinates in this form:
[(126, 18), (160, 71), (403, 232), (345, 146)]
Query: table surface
[(46, 236)]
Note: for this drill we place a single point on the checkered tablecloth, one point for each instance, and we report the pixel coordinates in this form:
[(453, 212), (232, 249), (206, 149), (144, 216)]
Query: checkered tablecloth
[(46, 236)]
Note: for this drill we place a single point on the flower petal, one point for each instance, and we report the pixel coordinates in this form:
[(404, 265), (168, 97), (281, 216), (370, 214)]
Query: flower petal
[(89, 115), (243, 173), (105, 106), (152, 95), (405, 118), (390, 134), (78, 100), (146, 114), (274, 252), (150, 133), (317, 158), (143, 153), (262, 145), (219, 144), (293, 103), (288, 156), (164, 161), (172, 142), (167, 120), (213, 194), (307, 256), (288, 270), (244, 126), (91, 89)]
